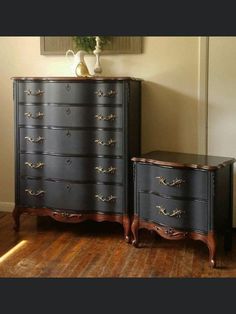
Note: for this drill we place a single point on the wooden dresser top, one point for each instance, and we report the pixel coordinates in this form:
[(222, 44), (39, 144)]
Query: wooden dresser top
[(75, 78), (183, 160)]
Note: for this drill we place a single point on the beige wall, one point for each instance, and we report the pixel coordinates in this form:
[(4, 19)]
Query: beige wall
[(222, 99), (168, 66)]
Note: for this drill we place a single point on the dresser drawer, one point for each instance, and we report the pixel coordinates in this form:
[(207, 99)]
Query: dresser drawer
[(96, 142), (172, 181), (71, 196), (180, 214), (72, 168), (71, 116), (71, 92)]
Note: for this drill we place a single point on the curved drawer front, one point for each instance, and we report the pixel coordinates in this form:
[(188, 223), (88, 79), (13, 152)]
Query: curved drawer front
[(172, 181), (71, 93), (78, 197), (72, 168), (81, 142), (180, 214), (71, 116)]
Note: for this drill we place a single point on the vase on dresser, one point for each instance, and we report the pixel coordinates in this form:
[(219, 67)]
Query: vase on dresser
[(73, 143)]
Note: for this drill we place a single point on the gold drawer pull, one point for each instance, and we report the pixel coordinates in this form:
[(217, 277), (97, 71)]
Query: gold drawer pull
[(68, 215), (37, 140), (110, 170), (102, 198), (36, 93), (110, 142), (176, 182), (110, 117), (38, 193), (175, 213), (34, 166), (29, 115), (110, 93)]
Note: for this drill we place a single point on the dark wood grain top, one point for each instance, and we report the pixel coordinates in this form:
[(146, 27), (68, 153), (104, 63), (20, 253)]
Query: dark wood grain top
[(183, 160), (75, 78)]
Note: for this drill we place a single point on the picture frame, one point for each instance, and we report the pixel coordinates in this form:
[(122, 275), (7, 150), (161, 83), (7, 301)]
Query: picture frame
[(54, 45)]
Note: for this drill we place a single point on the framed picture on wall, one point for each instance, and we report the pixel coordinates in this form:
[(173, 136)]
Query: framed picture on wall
[(52, 45)]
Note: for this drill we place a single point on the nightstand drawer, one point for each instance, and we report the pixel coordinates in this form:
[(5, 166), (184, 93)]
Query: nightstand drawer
[(71, 92), (71, 116), (72, 168), (71, 196), (180, 214), (66, 141), (172, 181)]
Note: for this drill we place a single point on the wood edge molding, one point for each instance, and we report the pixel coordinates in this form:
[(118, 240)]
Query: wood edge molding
[(72, 217), (180, 165), (170, 233), (76, 78), (203, 60)]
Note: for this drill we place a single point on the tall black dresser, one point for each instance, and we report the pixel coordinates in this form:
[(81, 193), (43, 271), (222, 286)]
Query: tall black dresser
[(74, 138)]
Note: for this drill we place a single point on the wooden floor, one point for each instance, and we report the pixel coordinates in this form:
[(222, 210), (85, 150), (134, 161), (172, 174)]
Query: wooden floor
[(46, 248)]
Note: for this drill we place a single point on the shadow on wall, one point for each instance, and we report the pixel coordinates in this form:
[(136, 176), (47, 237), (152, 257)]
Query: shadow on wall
[(169, 119)]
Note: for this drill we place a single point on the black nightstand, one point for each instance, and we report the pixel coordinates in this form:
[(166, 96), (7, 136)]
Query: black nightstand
[(184, 195)]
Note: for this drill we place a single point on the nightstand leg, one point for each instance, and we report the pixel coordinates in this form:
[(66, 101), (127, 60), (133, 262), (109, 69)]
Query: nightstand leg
[(211, 243), (134, 229)]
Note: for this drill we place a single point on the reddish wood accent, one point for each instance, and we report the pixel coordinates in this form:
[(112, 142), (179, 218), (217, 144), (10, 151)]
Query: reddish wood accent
[(210, 241), (126, 225), (182, 160), (16, 216), (75, 78), (134, 229), (65, 216), (174, 234)]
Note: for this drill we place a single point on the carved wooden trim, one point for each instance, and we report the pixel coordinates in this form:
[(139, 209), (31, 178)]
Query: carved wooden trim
[(71, 217), (174, 234)]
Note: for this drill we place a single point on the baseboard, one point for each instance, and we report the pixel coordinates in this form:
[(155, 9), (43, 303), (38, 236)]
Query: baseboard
[(6, 207)]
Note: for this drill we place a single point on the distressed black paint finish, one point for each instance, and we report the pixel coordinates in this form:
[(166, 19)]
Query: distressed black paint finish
[(94, 169), (74, 140), (64, 115), (184, 195)]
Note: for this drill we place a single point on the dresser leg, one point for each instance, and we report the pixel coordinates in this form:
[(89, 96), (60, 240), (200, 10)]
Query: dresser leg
[(211, 243), (126, 225), (16, 216), (134, 229)]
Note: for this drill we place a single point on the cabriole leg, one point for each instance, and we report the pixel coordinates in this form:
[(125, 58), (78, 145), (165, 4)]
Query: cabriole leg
[(134, 229)]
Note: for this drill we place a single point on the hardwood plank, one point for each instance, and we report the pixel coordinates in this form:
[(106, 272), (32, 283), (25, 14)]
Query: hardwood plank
[(91, 249)]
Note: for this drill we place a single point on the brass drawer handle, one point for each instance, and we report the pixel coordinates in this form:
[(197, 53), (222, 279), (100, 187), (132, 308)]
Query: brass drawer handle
[(37, 140), (29, 115), (67, 215), (110, 93), (110, 170), (110, 142), (102, 198), (36, 93), (175, 213), (176, 182), (38, 165), (64, 215), (110, 117), (38, 193)]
